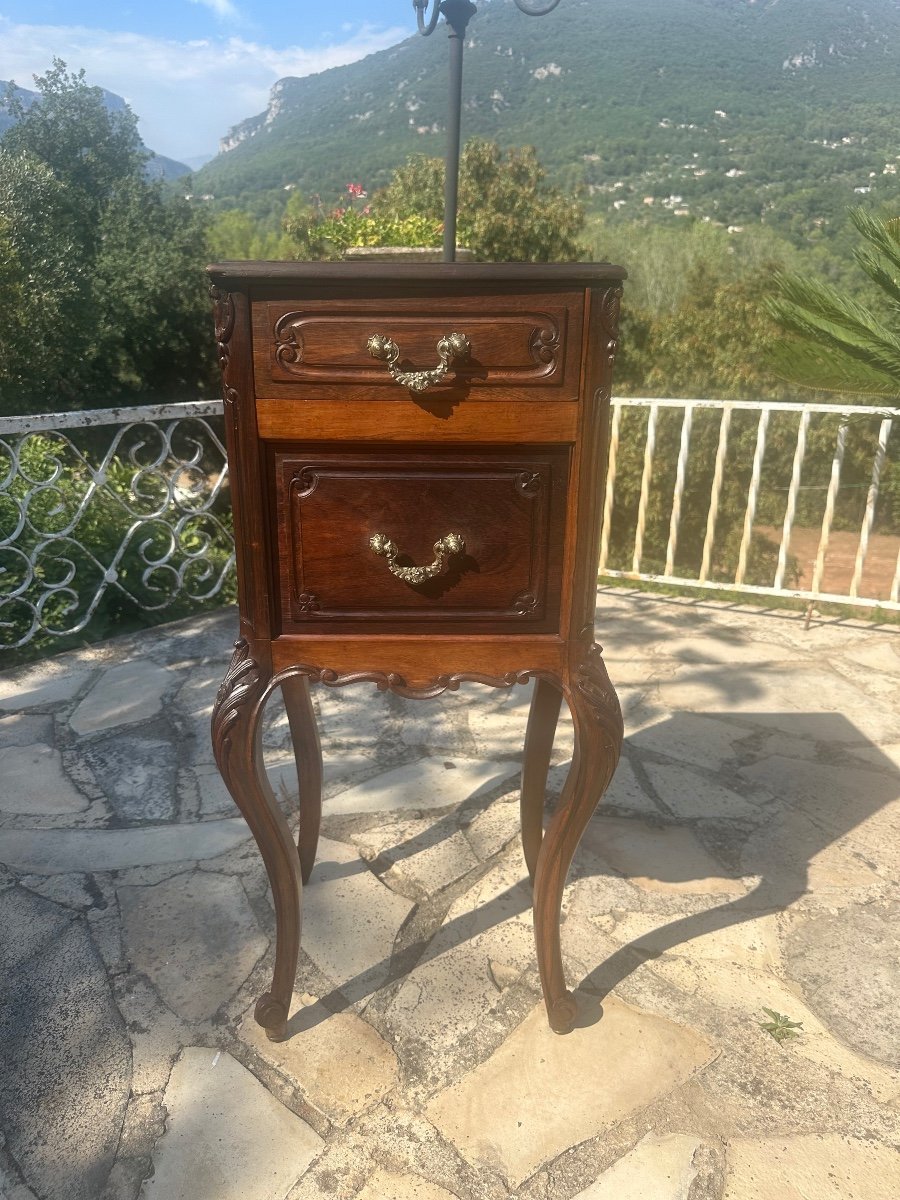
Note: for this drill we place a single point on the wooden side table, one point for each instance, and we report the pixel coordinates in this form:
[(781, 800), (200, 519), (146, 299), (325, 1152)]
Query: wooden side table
[(417, 457)]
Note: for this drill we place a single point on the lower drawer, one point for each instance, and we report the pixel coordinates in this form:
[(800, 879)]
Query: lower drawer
[(457, 541)]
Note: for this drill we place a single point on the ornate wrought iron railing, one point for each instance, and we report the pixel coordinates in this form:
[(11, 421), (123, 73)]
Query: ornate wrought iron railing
[(111, 516), (770, 499)]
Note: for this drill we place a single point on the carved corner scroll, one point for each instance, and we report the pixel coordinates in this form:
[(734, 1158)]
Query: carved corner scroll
[(544, 345), (289, 339), (528, 483), (525, 603)]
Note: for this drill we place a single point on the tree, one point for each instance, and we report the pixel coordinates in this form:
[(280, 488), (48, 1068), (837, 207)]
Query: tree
[(46, 322), (838, 343), (111, 298), (507, 210), (88, 148), (715, 343)]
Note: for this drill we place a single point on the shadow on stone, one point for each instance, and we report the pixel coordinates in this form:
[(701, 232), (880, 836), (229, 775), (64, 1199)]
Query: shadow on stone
[(808, 809)]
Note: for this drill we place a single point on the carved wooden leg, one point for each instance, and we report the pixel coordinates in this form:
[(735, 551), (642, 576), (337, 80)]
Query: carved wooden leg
[(237, 744), (598, 740), (308, 754), (539, 733)]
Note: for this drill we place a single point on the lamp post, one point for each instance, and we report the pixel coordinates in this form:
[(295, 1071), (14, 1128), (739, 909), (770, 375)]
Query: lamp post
[(457, 14)]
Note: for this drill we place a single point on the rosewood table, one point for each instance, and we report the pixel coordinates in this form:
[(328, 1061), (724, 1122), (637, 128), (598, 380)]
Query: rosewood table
[(417, 457)]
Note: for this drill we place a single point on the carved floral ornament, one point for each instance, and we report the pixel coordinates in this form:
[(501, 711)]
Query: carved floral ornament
[(223, 321), (610, 309)]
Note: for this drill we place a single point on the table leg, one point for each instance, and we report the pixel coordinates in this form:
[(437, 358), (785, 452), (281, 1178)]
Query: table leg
[(539, 733), (237, 744), (308, 754), (598, 739)]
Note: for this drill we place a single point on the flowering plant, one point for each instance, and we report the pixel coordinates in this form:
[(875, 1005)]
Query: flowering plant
[(348, 226)]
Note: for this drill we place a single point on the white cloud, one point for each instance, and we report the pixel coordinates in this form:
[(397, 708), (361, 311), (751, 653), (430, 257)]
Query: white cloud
[(186, 94), (223, 9)]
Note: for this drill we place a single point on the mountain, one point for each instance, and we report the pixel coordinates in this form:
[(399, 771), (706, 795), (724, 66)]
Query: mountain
[(781, 110), (158, 165)]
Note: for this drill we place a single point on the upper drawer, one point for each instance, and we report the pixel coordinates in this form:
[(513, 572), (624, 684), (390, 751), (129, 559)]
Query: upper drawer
[(524, 346)]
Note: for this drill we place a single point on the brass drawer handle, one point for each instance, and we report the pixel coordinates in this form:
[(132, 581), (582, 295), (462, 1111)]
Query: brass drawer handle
[(452, 345), (443, 549)]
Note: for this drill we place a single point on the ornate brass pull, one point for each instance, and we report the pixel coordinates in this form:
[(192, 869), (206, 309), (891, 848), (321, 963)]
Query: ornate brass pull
[(443, 549), (452, 345)]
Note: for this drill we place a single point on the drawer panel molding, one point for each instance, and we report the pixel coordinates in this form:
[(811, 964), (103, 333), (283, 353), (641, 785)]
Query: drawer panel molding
[(497, 520), (532, 343)]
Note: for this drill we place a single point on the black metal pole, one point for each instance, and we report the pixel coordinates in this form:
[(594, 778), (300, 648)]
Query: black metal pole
[(457, 14)]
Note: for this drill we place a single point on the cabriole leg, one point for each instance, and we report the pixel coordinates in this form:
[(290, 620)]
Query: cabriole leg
[(539, 733), (237, 744), (308, 755), (598, 740)]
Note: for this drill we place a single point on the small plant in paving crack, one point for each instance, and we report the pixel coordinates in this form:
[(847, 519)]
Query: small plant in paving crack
[(780, 1027)]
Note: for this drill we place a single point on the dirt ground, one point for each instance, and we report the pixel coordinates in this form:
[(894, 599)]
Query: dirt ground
[(878, 573)]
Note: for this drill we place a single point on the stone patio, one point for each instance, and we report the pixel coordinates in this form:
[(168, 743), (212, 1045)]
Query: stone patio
[(747, 859)]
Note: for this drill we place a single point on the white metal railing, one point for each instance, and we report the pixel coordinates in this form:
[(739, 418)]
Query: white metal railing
[(645, 521), (117, 502)]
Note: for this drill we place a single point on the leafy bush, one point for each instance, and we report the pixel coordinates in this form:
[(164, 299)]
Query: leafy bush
[(353, 228)]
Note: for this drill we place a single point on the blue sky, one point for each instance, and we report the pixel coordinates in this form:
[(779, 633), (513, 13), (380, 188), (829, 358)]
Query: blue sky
[(192, 68)]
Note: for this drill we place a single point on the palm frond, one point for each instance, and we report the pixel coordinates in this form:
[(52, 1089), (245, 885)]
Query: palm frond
[(824, 303), (871, 264), (828, 371), (883, 236), (852, 337), (838, 344)]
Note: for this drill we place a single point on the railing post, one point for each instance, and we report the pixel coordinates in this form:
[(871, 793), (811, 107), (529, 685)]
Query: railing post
[(752, 495)]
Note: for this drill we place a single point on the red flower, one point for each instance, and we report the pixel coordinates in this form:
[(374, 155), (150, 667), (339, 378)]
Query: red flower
[(356, 190)]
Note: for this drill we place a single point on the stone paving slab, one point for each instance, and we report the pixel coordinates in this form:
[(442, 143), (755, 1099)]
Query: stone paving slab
[(195, 937), (60, 851), (350, 920), (658, 1168), (336, 1060), (485, 941), (747, 859), (425, 784), (226, 1138), (825, 1167), (391, 1185), (122, 695), (540, 1093), (65, 1058), (416, 858), (34, 782), (48, 683)]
